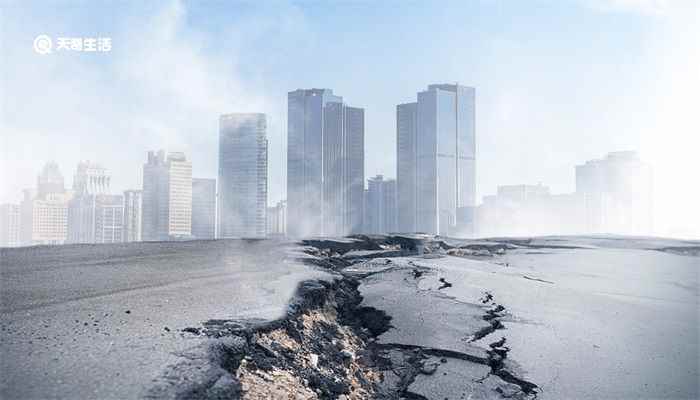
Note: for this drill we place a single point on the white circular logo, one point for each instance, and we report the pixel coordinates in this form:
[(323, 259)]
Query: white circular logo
[(43, 44)]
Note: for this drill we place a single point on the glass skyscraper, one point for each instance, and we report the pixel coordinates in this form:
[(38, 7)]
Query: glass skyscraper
[(242, 175), (406, 165), (325, 164), (436, 146)]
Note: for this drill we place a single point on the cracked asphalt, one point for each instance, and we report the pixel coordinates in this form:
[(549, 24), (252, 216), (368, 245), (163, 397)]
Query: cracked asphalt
[(86, 321), (579, 317), (585, 318)]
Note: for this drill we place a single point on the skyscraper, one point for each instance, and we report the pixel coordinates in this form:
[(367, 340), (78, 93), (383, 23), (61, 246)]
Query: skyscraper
[(9, 225), (50, 181), (167, 197), (343, 169), (381, 205), (242, 175), (616, 193), (132, 215), (203, 208), (325, 164), (406, 164), (90, 178), (109, 218), (436, 147), (94, 216), (44, 211)]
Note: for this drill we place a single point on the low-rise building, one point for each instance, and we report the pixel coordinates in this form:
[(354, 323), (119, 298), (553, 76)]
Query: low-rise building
[(44, 211), (9, 225), (277, 220), (381, 205)]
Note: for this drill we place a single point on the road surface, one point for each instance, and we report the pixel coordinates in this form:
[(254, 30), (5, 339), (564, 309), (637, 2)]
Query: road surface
[(103, 321)]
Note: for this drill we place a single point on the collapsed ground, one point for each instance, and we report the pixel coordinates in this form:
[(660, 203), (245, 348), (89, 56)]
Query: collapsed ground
[(330, 346)]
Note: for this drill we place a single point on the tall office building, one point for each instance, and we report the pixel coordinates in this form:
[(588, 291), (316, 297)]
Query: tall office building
[(50, 181), (167, 197), (616, 193), (203, 208), (90, 178), (436, 146), (109, 218), (94, 216), (343, 169), (9, 225), (381, 205), (44, 211), (132, 215), (325, 164), (406, 126), (242, 175)]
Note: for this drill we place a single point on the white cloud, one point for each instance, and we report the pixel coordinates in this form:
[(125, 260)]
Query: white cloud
[(162, 86)]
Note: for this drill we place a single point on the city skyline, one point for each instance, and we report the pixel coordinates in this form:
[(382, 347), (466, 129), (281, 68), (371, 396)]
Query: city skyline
[(613, 195), (634, 90), (434, 192), (349, 199)]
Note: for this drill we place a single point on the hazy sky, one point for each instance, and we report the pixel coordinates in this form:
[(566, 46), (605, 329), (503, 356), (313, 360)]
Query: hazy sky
[(558, 83)]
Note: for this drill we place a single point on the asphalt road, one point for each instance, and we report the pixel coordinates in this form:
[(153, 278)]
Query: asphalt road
[(103, 321), (584, 318), (607, 318)]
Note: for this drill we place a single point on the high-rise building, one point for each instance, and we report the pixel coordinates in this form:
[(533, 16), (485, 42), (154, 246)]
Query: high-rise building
[(436, 145), (44, 211), (325, 164), (90, 178), (242, 175), (44, 219), (50, 181), (343, 169), (94, 216), (616, 193), (305, 109), (167, 197), (109, 218), (9, 225), (406, 165), (203, 208), (277, 220), (381, 205), (132, 215)]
